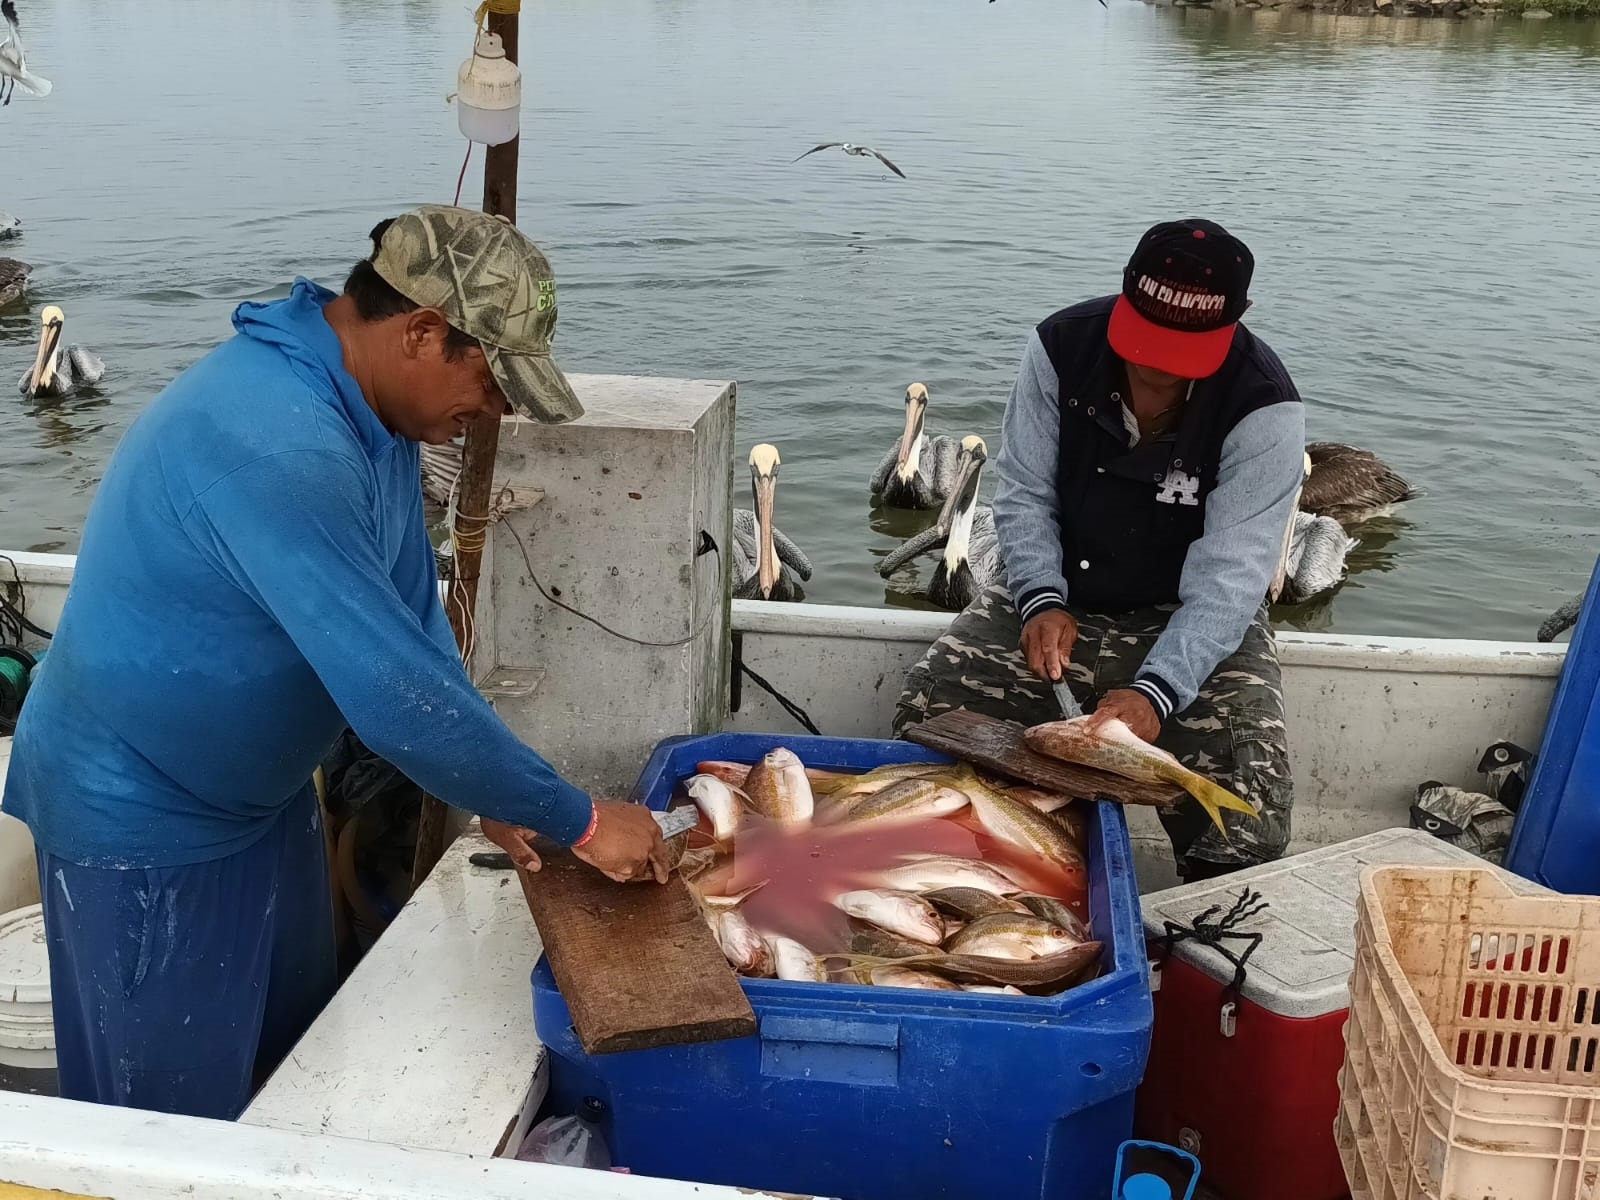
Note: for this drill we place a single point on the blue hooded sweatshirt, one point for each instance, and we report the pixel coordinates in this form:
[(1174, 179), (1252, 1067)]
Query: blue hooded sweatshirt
[(254, 575)]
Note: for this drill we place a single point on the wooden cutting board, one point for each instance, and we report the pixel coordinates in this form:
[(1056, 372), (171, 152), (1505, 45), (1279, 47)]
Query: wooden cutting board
[(635, 962), (998, 746)]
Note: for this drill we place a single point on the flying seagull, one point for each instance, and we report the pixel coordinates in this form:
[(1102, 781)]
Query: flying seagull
[(13, 63), (855, 152)]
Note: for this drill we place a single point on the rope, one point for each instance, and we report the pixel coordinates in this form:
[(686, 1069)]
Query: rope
[(500, 8), (1211, 933), (601, 625), (462, 178), (788, 705)]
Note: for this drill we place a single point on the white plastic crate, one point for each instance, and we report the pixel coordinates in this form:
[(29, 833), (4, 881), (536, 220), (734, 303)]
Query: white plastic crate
[(1472, 1052)]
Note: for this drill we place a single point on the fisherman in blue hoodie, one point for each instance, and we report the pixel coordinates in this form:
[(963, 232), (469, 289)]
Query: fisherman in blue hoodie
[(254, 575)]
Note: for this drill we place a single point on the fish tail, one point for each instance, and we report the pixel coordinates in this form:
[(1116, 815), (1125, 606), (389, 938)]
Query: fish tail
[(1214, 798)]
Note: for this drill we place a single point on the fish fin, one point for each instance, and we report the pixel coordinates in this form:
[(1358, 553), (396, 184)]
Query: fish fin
[(1214, 798), (739, 791)]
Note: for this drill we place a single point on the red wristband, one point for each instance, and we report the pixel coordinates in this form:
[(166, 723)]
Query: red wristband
[(594, 819)]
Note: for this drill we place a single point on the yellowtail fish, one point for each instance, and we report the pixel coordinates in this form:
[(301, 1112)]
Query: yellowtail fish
[(926, 872), (908, 977), (1011, 935), (719, 801), (907, 801), (1012, 821), (1037, 798), (870, 781), (1113, 747), (1051, 971), (734, 774), (908, 915), (969, 903), (778, 789), (1057, 912), (695, 863), (746, 949), (722, 900), (874, 942), (793, 961)]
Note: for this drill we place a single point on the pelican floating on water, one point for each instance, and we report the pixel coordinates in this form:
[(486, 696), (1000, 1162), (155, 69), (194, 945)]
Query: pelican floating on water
[(1563, 619), (14, 63), (964, 531), (765, 563), (59, 370), (1318, 547), (13, 280), (1351, 485), (916, 472), (10, 227)]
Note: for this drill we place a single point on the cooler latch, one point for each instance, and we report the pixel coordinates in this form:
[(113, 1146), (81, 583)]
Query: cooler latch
[(1229, 1021)]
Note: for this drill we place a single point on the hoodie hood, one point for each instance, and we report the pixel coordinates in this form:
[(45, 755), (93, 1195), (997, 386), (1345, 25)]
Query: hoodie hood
[(297, 327)]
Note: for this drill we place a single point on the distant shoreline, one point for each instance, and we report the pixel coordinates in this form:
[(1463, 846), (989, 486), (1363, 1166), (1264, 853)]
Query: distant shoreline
[(1521, 9)]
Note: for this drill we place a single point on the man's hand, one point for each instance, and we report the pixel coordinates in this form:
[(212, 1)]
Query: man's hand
[(1132, 709), (1047, 642), (514, 840), (626, 844)]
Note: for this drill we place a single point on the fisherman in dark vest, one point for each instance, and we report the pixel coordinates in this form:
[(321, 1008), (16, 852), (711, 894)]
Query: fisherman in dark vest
[(1151, 454)]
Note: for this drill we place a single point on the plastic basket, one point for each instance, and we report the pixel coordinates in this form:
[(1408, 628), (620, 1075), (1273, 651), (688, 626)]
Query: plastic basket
[(1472, 1052)]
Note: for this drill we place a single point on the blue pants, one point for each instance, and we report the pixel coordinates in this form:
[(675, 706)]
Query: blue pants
[(175, 988)]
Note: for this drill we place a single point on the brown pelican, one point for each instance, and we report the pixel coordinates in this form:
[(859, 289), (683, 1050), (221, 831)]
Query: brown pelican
[(855, 152), (10, 227), (1315, 565), (765, 563), (13, 63), (1351, 485), (1563, 619), (59, 370), (964, 531), (916, 472), (13, 280)]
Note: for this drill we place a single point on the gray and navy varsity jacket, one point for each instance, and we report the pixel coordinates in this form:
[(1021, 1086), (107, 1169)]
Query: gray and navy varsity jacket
[(1194, 517)]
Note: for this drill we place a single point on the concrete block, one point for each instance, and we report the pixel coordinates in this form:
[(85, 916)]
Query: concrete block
[(628, 489)]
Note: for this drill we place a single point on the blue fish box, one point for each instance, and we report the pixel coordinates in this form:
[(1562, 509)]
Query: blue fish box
[(1556, 840), (870, 1093)]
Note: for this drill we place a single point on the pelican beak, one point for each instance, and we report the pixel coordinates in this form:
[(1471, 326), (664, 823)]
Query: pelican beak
[(969, 473), (44, 363), (916, 411), (763, 488)]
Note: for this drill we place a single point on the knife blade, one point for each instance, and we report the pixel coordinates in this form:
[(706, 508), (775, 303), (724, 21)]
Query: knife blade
[(677, 820), (1068, 702)]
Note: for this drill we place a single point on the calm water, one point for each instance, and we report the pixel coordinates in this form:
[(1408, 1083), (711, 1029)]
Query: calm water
[(1420, 198)]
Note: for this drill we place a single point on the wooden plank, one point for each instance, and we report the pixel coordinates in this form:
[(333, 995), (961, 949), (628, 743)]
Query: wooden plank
[(997, 746), (635, 962)]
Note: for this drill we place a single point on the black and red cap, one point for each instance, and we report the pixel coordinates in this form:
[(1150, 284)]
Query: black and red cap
[(1183, 293)]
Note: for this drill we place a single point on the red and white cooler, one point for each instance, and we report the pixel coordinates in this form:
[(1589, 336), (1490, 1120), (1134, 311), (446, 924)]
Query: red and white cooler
[(1248, 1081)]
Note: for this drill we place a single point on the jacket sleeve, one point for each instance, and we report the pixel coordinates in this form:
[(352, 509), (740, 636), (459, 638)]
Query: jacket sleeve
[(1229, 568), (296, 531), (1027, 516)]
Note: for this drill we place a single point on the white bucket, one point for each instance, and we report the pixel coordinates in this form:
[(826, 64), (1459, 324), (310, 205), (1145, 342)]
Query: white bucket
[(27, 1033)]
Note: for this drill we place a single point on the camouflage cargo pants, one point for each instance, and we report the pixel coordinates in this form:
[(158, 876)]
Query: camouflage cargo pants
[(1233, 733)]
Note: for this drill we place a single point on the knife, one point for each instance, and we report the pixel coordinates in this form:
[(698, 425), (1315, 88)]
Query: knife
[(677, 820), (1064, 697)]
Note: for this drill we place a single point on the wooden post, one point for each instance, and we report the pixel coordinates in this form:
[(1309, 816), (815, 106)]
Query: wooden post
[(476, 488)]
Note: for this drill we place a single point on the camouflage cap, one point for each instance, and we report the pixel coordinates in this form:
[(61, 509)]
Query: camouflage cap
[(493, 284)]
